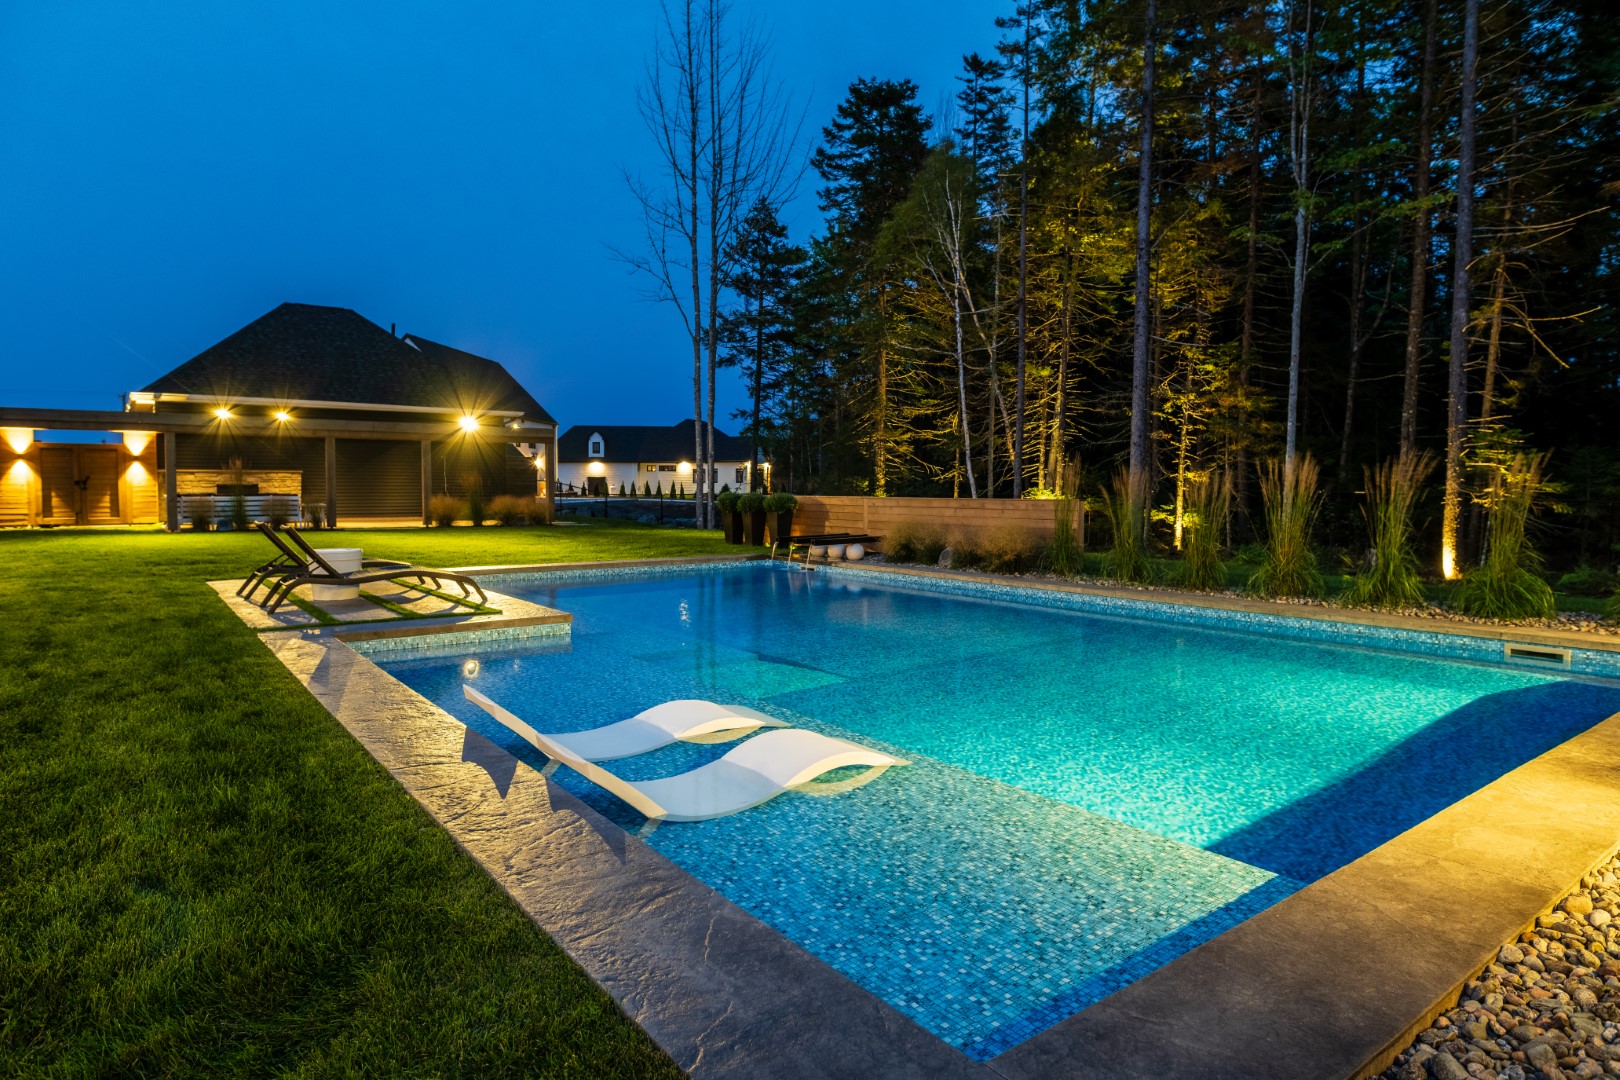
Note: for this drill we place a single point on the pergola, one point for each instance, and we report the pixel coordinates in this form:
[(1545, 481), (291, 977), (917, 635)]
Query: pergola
[(537, 440)]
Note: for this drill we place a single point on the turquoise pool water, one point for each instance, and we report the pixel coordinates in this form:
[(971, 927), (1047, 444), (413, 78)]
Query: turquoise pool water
[(1090, 796)]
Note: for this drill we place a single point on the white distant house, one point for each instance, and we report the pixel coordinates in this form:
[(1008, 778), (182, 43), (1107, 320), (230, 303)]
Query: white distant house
[(599, 459)]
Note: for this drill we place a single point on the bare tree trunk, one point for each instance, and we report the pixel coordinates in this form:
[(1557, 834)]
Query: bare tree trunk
[(1418, 293), (1463, 248), (1358, 284), (1023, 266), (880, 444), (1499, 281), (1140, 409), (1299, 128), (759, 380), (1251, 277), (1059, 444)]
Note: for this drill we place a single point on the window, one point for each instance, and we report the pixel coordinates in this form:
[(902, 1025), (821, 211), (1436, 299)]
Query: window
[(595, 446), (742, 475)]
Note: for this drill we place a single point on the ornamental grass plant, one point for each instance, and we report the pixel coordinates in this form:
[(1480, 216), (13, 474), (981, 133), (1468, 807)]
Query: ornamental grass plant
[(445, 510), (1507, 584), (1124, 504), (913, 542), (1006, 549), (1209, 498), (1391, 582), (1292, 499)]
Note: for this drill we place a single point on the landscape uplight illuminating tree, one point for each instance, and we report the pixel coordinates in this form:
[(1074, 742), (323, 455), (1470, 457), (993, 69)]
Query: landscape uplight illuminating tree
[(1463, 256)]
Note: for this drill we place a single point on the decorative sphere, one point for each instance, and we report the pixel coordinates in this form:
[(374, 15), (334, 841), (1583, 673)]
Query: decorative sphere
[(835, 551), (855, 553)]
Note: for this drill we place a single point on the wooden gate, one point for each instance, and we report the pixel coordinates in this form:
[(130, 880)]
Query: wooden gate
[(78, 485)]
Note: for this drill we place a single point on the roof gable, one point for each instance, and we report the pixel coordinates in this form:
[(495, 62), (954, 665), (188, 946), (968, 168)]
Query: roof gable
[(308, 352), (639, 443)]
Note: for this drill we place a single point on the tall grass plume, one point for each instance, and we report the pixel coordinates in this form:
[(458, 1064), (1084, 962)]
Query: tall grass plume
[(1507, 585), (1289, 567), (1209, 498), (1391, 582), (1124, 504)]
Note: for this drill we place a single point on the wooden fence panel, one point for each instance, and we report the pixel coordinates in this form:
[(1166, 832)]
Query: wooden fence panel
[(864, 514)]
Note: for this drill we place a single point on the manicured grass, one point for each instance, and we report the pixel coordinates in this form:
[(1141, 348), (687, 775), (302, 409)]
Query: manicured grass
[(202, 873)]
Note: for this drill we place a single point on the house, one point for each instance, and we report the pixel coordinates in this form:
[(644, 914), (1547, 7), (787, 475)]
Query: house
[(598, 459), (317, 403)]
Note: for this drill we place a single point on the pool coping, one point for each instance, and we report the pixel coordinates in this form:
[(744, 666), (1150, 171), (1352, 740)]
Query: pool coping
[(1318, 613), (722, 993), (1332, 981)]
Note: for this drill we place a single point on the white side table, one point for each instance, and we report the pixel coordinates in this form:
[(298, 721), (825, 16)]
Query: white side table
[(344, 561)]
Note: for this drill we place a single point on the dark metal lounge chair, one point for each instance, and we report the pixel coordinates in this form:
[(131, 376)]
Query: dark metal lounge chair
[(313, 569), (290, 562)]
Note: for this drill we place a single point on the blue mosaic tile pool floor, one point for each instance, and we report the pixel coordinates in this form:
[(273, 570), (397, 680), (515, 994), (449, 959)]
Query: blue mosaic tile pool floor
[(1090, 796)]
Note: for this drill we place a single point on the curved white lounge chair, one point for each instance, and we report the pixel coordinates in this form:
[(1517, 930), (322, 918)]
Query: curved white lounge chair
[(755, 772), (661, 725)]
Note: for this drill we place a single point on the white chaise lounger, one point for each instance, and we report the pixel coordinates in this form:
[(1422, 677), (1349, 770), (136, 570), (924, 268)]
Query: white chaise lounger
[(755, 772), (661, 725)]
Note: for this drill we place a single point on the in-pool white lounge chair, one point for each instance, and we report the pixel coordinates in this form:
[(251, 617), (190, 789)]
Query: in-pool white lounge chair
[(755, 772), (663, 724)]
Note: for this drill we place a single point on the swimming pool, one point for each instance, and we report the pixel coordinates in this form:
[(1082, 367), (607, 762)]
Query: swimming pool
[(1090, 795)]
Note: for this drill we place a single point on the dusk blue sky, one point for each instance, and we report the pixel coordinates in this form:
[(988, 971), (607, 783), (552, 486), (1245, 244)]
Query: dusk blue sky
[(171, 171)]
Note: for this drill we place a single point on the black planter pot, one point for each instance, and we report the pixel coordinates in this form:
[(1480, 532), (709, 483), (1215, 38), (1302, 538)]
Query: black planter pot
[(731, 522), (754, 528), (778, 526)]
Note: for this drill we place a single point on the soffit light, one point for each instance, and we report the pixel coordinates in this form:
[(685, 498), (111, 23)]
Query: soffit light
[(222, 413), (469, 423), (282, 415)]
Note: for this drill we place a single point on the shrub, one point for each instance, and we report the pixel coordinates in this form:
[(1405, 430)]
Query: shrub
[(1125, 507), (1249, 553), (201, 514), (475, 506), (534, 509), (1589, 581), (726, 501), (780, 502), (278, 510), (1006, 549), (506, 509), (751, 502), (913, 542), (966, 552), (1507, 585), (646, 489), (1392, 491), (1065, 555), (1208, 500), (1289, 567), (660, 489), (446, 510)]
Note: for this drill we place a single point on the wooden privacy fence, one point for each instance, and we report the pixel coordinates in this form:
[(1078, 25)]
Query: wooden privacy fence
[(865, 514)]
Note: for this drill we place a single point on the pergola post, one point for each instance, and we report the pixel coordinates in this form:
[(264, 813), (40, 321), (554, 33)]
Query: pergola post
[(171, 483), (427, 480), (331, 482), (549, 474)]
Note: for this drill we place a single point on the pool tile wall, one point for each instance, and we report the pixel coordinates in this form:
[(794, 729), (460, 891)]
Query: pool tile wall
[(1446, 645)]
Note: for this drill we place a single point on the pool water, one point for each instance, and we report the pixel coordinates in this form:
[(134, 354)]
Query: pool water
[(1089, 796)]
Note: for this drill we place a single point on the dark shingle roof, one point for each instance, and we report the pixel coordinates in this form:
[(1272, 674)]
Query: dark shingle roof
[(307, 352), (638, 444), (490, 380)]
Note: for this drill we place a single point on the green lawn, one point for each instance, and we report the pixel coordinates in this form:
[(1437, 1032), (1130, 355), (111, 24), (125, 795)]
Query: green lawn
[(202, 873)]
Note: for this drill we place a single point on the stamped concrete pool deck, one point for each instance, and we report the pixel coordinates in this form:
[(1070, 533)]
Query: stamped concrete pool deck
[(1330, 982)]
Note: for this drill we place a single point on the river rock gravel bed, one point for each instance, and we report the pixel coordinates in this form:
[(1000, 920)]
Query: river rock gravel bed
[(1548, 1006)]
